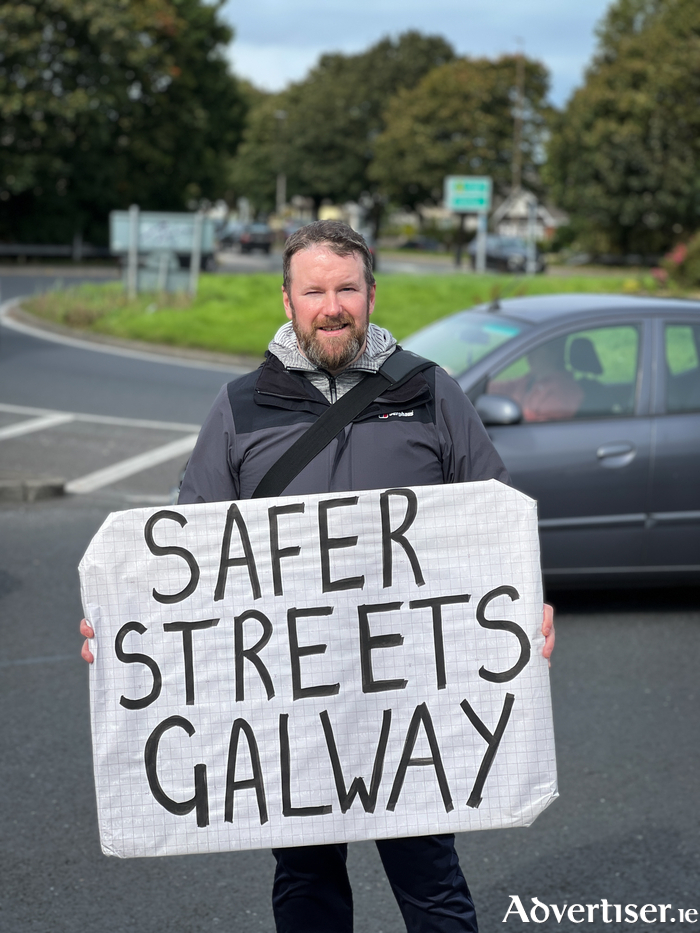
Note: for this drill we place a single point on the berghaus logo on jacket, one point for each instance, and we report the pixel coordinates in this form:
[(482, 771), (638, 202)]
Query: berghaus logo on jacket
[(397, 414)]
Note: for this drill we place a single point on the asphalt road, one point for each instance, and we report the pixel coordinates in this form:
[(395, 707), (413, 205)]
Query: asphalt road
[(145, 403), (624, 684), (47, 374)]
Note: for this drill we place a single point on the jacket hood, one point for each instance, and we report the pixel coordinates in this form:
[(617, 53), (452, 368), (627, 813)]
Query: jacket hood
[(380, 345)]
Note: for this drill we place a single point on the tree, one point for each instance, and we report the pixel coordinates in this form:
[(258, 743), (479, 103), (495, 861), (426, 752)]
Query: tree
[(105, 103), (253, 172), (624, 155), (459, 120), (321, 131)]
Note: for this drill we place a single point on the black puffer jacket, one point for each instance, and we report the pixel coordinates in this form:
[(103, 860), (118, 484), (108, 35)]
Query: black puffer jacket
[(420, 433)]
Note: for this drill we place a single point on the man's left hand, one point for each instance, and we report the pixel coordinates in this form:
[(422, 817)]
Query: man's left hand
[(548, 631)]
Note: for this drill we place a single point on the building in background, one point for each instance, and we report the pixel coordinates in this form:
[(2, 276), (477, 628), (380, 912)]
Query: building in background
[(512, 217)]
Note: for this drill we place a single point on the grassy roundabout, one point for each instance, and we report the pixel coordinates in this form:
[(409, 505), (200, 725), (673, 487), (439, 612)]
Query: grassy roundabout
[(237, 314)]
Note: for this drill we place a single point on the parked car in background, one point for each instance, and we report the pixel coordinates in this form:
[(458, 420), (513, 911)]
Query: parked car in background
[(291, 226), (593, 402), (256, 236), (229, 235), (506, 254), (420, 241), (207, 261)]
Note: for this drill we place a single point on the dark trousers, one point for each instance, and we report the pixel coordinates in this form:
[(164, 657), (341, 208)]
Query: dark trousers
[(311, 893)]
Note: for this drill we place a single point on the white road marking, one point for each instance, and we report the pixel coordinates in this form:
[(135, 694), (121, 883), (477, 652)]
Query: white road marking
[(119, 471), (99, 419), (34, 424), (47, 418)]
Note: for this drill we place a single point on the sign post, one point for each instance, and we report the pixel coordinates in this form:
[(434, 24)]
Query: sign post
[(481, 231), (196, 255), (133, 266), (469, 194)]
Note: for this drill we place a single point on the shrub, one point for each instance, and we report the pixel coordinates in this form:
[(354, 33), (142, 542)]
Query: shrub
[(682, 264)]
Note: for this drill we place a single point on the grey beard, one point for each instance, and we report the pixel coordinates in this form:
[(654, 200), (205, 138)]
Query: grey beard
[(315, 353)]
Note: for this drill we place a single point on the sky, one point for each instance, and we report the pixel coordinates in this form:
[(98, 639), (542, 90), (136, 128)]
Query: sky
[(277, 41)]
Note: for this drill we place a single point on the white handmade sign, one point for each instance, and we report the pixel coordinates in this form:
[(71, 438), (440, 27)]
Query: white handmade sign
[(318, 669)]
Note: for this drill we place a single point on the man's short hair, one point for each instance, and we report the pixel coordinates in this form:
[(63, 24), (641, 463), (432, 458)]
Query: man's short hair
[(335, 236)]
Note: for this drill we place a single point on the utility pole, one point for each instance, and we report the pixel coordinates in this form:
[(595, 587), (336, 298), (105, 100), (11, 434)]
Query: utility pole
[(196, 253), (531, 265), (281, 193), (460, 240), (517, 162), (281, 190)]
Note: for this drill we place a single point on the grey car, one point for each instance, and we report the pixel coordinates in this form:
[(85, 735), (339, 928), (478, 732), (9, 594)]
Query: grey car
[(506, 254), (593, 402)]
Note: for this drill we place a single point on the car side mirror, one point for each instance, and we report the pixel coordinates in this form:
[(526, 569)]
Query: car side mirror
[(497, 409)]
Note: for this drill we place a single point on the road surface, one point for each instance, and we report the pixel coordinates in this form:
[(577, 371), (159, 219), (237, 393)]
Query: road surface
[(624, 683)]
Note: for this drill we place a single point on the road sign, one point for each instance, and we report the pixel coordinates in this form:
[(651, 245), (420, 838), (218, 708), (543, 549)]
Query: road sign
[(159, 230), (137, 232), (467, 194)]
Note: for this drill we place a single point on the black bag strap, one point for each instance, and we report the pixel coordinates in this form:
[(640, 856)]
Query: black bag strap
[(399, 368)]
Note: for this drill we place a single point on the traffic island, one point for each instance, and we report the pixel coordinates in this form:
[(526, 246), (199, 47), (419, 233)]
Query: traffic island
[(30, 490)]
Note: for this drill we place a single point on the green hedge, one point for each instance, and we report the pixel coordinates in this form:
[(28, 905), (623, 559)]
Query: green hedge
[(240, 313)]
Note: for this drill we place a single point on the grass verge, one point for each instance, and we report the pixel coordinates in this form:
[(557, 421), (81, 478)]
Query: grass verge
[(238, 314)]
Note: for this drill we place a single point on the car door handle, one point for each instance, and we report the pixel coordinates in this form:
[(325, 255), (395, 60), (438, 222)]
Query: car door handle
[(616, 454), (614, 450)]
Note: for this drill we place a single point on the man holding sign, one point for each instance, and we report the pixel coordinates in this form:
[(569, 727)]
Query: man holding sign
[(371, 417)]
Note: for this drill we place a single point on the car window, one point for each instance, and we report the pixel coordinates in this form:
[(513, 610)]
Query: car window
[(585, 374), (682, 345), (458, 342)]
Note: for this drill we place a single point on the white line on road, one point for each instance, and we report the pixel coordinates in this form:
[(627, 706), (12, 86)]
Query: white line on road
[(137, 464), (99, 419), (35, 424)]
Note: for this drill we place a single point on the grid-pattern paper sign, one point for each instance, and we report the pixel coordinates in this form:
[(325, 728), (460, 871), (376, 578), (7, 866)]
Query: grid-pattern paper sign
[(316, 669)]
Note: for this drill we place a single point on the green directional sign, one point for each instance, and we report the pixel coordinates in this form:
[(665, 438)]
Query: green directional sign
[(467, 194)]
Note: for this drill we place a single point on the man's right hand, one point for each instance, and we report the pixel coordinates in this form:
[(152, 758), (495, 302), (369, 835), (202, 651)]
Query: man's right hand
[(86, 630)]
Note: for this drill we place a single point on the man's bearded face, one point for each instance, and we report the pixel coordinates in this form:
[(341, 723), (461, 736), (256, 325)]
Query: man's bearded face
[(329, 304), (344, 343)]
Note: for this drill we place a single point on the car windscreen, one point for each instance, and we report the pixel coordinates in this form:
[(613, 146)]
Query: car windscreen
[(459, 341)]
